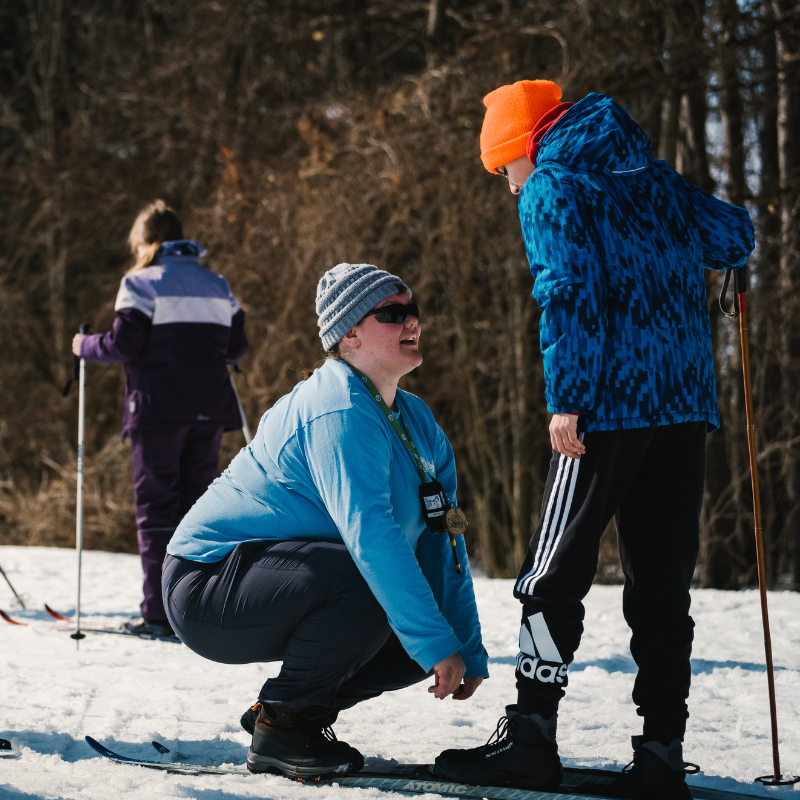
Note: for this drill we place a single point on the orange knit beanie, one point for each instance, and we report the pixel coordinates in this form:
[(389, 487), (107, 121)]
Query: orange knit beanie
[(511, 113)]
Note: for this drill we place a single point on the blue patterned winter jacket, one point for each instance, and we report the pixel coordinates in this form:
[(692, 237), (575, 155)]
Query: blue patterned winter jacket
[(617, 242)]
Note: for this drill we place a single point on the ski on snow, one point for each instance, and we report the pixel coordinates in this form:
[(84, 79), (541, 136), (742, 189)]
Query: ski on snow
[(9, 620), (99, 627), (578, 784), (68, 625), (88, 627)]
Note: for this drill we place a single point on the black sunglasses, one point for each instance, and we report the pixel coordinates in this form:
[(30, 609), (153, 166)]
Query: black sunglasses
[(395, 312)]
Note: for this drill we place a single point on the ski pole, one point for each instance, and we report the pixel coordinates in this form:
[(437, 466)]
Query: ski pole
[(245, 427), (79, 374), (19, 599), (740, 308)]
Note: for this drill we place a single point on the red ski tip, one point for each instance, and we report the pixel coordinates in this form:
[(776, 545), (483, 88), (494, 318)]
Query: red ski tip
[(56, 615), (8, 619)]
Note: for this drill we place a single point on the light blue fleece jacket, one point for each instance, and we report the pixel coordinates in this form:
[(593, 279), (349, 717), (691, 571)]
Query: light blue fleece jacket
[(326, 464)]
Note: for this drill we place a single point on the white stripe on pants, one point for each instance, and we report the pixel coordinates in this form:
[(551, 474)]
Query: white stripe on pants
[(554, 523)]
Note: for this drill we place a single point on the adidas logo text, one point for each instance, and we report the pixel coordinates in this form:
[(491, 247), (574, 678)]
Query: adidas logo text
[(546, 673)]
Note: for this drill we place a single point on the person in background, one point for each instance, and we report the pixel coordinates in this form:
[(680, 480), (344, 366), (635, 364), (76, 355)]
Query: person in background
[(177, 328), (318, 547), (616, 242)]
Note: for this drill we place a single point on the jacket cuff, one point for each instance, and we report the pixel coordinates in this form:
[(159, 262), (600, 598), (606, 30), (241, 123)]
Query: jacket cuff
[(438, 650), (477, 666), (554, 409), (88, 340)]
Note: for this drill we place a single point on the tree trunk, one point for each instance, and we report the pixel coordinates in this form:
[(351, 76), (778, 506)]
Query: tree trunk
[(723, 503), (765, 305), (730, 101), (676, 41), (736, 191), (670, 119), (696, 168), (788, 41), (649, 100)]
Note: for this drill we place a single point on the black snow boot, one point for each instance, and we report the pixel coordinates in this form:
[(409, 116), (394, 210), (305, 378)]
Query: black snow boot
[(286, 744), (522, 752), (657, 772)]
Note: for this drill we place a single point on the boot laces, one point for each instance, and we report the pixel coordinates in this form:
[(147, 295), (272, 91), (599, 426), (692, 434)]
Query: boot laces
[(328, 733), (628, 767), (314, 732), (500, 735)]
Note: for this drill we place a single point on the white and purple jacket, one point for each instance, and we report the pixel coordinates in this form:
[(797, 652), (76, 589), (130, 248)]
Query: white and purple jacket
[(177, 328)]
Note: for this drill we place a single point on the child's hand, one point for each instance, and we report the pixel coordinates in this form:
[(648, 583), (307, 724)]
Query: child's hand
[(564, 435), (76, 343)]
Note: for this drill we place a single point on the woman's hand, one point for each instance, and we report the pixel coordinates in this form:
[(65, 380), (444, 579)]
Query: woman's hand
[(448, 674), (467, 689), (76, 343), (564, 435)]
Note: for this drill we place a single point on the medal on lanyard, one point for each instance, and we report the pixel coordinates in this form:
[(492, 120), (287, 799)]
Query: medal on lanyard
[(440, 515)]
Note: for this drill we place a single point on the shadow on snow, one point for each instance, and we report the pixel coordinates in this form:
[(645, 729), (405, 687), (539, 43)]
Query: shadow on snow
[(626, 664)]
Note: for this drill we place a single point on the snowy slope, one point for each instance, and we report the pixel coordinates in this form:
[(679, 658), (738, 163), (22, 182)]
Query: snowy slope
[(126, 692)]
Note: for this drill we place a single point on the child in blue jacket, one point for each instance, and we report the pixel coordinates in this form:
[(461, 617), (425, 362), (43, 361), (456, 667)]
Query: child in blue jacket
[(616, 242), (176, 329)]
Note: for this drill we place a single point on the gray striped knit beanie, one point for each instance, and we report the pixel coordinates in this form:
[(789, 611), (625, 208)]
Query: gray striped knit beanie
[(346, 293)]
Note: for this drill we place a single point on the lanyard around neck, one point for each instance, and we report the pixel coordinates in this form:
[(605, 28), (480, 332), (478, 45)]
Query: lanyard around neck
[(397, 422), (402, 430)]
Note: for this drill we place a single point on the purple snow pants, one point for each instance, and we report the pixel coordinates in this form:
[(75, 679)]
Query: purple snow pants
[(172, 467)]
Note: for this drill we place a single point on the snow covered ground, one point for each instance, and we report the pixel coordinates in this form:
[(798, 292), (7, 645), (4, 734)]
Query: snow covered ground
[(126, 692)]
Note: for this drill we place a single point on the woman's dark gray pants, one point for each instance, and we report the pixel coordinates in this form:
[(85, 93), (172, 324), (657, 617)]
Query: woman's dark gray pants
[(301, 602)]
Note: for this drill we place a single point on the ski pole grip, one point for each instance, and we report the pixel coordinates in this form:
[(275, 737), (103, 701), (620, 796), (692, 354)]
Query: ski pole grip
[(76, 361), (740, 279), (740, 284)]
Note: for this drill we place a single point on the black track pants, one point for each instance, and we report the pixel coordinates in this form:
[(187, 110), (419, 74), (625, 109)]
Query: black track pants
[(651, 480), (301, 602)]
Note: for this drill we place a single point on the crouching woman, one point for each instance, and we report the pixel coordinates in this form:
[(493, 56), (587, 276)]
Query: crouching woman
[(315, 547)]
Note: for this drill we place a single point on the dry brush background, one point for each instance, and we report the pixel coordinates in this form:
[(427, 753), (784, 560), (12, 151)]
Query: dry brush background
[(292, 136)]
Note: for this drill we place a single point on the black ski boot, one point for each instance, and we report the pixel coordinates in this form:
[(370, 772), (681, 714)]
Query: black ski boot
[(657, 772), (286, 744), (522, 752), (156, 628)]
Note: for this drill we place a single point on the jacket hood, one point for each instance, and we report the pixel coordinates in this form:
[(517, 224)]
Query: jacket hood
[(181, 247), (596, 135)]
